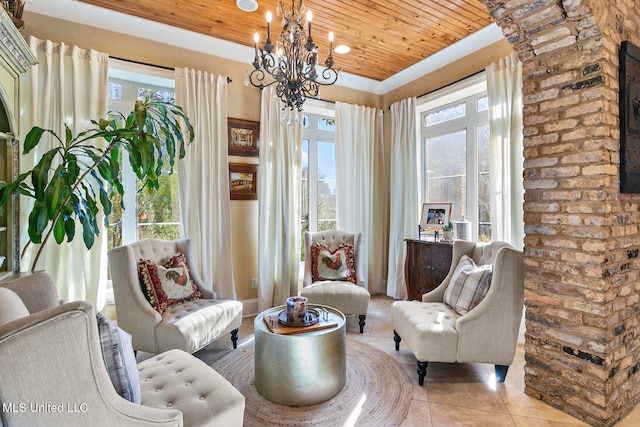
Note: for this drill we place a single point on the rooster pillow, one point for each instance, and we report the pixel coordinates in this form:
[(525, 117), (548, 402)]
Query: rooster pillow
[(332, 265)]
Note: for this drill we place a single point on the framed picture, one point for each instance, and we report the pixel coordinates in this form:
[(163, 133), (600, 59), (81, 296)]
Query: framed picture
[(435, 215), (243, 181), (243, 137), (629, 118)]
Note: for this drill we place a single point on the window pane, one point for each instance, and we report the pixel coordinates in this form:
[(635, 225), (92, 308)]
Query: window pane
[(484, 211), (482, 104), (304, 191), (445, 114), (159, 213), (447, 154), (326, 124), (157, 94), (326, 182), (446, 166), (115, 91)]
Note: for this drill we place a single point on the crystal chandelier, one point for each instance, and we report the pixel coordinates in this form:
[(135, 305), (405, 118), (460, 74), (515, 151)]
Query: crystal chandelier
[(293, 64)]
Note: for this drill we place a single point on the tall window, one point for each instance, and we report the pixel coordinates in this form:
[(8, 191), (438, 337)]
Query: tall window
[(455, 153), (145, 215), (318, 189)]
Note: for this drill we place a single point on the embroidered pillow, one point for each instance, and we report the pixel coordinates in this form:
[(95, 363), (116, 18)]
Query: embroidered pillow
[(168, 284), (468, 286), (119, 359), (336, 265)]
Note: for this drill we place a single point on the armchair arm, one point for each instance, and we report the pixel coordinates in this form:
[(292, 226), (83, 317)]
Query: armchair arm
[(40, 364), (489, 332), (135, 314), (460, 247), (37, 290)]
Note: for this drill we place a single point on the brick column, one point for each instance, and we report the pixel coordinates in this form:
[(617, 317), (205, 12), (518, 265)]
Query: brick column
[(582, 347)]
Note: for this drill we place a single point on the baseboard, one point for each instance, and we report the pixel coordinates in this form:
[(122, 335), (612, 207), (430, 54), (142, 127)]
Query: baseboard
[(249, 307)]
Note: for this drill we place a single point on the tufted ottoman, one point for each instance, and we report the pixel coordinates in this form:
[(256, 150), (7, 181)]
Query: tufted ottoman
[(205, 398), (414, 321)]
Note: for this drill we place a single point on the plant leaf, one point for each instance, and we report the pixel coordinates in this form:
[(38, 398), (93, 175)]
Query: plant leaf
[(37, 222)]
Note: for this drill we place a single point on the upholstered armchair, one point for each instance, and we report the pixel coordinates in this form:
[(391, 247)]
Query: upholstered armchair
[(54, 374), (189, 325), (333, 272), (455, 323)]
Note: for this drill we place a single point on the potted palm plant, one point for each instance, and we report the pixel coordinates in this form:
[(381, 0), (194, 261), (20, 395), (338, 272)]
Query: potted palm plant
[(77, 177)]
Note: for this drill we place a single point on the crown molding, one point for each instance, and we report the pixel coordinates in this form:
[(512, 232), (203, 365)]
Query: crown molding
[(83, 13)]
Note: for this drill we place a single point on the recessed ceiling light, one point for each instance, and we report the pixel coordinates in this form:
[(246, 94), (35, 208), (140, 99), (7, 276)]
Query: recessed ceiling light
[(342, 49), (247, 5)]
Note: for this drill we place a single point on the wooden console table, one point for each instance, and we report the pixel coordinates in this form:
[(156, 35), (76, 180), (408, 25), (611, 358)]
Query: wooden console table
[(426, 265)]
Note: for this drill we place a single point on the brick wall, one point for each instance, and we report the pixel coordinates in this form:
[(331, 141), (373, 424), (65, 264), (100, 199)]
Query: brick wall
[(582, 345)]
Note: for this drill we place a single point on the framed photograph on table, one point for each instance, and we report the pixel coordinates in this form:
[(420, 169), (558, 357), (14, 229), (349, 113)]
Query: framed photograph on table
[(243, 181), (435, 215), (243, 137)]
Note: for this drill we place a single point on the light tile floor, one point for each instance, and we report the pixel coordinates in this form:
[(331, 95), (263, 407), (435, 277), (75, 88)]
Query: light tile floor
[(453, 394)]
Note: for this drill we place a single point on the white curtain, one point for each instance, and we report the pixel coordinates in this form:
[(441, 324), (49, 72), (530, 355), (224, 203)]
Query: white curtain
[(403, 203), (68, 85), (504, 92), (361, 189), (279, 177), (203, 175)]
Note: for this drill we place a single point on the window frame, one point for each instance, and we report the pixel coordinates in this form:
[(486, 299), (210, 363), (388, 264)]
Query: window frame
[(131, 75), (469, 90), (315, 108)]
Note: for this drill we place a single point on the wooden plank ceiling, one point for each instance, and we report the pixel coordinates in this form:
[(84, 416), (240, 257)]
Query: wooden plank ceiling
[(385, 36)]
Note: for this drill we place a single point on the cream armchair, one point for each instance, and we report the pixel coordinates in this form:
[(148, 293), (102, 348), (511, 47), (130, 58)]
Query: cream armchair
[(53, 372), (487, 333), (348, 297), (188, 326)]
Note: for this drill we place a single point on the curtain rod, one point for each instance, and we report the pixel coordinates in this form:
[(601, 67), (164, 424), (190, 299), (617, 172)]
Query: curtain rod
[(452, 83), (151, 65)]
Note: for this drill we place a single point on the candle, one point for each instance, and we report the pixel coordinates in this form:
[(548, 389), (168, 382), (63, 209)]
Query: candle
[(309, 16), (330, 43), (256, 38), (268, 26)]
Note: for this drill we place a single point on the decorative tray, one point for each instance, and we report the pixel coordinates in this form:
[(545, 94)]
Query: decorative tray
[(313, 317)]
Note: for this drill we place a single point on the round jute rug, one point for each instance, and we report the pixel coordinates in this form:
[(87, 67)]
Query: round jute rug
[(377, 392)]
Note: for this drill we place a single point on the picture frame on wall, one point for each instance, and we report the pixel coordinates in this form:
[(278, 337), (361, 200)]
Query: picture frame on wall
[(629, 100), (243, 138), (435, 215), (243, 181)]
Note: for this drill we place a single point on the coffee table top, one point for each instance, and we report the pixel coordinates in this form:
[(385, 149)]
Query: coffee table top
[(334, 316)]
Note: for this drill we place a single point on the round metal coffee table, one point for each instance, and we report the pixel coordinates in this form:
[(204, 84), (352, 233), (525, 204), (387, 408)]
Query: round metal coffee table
[(303, 368)]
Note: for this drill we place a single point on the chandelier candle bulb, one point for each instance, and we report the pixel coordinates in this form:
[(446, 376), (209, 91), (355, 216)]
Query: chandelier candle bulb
[(256, 39), (309, 16), (268, 27)]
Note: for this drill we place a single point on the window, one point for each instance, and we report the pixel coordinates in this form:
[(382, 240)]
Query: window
[(318, 189), (455, 152), (145, 215)]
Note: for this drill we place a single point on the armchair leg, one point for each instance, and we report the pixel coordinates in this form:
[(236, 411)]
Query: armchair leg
[(397, 339), (362, 317), (234, 338), (422, 372), (501, 372)]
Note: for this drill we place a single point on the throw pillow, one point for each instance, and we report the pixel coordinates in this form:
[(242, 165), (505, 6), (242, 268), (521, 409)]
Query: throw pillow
[(468, 286), (332, 265), (119, 359), (11, 306), (168, 284)]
